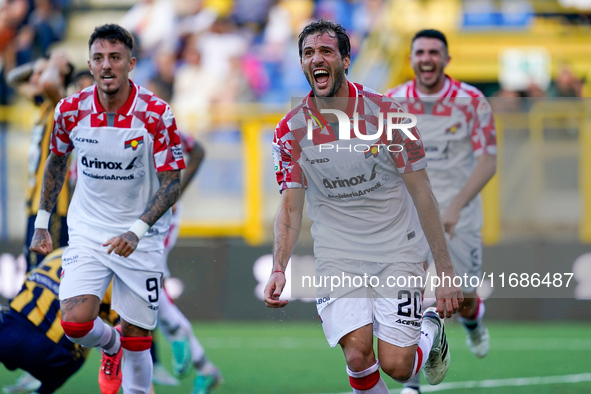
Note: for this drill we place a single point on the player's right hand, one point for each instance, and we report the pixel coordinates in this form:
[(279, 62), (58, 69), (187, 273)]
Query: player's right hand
[(273, 290), (449, 299), (41, 242)]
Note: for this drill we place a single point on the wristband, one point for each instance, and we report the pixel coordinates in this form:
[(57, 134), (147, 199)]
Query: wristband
[(42, 219), (139, 228), (279, 271)]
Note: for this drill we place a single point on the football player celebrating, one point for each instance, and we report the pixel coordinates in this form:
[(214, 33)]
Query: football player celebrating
[(128, 177), (459, 136), (373, 212)]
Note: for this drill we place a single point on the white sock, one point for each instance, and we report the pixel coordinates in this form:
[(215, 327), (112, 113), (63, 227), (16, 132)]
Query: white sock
[(100, 335), (197, 351), (421, 356), (175, 326), (364, 378), (137, 371), (169, 319), (429, 331), (111, 340), (205, 367)]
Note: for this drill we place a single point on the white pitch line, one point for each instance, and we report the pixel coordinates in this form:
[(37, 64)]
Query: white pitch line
[(497, 344), (511, 382)]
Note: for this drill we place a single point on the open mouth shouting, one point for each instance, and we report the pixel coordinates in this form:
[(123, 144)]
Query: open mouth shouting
[(427, 71), (321, 77)]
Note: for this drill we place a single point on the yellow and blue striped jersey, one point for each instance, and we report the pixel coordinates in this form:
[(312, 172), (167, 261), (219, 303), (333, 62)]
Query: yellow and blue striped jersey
[(38, 299), (38, 153)]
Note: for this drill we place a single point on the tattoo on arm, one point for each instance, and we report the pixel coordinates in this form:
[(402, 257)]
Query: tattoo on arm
[(130, 238), (165, 197), (71, 303), (290, 227), (56, 168)]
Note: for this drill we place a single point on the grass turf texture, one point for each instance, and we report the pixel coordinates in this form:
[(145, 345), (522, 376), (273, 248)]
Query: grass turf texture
[(293, 357)]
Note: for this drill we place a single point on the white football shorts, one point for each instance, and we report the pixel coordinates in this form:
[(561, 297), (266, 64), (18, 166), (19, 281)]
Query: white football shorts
[(137, 280), (388, 296), (465, 251)]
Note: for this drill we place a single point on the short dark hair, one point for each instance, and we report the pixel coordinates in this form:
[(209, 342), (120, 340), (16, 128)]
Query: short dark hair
[(113, 33), (431, 33), (322, 26)]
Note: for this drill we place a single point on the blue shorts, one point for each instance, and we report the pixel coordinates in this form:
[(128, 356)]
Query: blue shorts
[(24, 346)]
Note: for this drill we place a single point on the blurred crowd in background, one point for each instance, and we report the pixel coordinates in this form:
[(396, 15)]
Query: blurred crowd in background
[(208, 52), (199, 52)]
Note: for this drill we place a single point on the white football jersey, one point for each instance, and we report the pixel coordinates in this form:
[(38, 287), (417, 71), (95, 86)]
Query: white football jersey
[(354, 191), (118, 156), (456, 128)]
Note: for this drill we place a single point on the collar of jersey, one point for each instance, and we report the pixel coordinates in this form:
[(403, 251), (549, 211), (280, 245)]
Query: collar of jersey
[(126, 108), (451, 91), (351, 105)]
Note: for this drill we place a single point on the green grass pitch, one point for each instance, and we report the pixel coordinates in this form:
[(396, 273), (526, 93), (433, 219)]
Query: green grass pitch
[(293, 357)]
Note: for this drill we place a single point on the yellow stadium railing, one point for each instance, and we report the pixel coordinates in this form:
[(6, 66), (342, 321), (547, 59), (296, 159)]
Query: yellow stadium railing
[(253, 123), (585, 179), (491, 230), (251, 227)]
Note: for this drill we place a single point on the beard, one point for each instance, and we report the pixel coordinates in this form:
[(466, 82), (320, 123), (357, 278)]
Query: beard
[(110, 91), (338, 79), (433, 83)]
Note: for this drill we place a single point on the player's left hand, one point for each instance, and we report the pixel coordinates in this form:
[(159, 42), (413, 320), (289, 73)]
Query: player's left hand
[(448, 299), (123, 244), (449, 219)]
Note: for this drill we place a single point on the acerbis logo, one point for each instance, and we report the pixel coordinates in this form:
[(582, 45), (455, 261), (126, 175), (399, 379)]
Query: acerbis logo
[(86, 140), (408, 322), (353, 181), (318, 161)]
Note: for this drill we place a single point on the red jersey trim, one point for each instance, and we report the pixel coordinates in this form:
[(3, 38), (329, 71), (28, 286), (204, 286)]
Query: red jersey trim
[(351, 105), (126, 108), (450, 92)]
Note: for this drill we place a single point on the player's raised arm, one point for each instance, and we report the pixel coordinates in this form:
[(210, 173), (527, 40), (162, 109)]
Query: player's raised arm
[(56, 168), (164, 198), (52, 80), (419, 187), (287, 226)]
